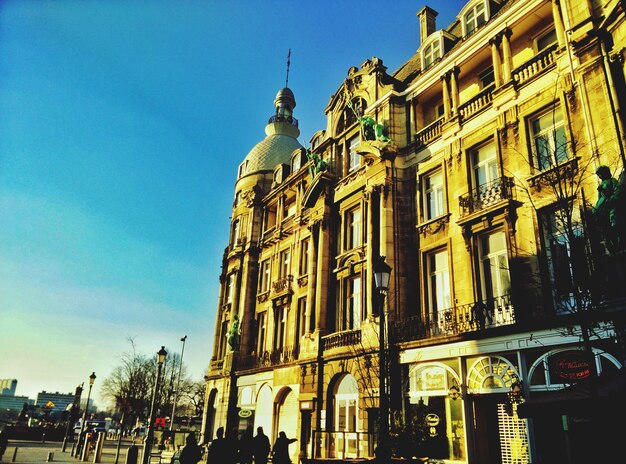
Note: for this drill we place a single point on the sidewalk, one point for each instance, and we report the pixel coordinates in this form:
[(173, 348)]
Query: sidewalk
[(36, 452)]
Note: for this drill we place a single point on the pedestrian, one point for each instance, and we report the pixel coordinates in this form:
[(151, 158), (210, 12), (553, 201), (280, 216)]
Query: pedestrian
[(261, 447), (232, 446), (192, 452), (246, 443), (280, 452), (4, 442), (217, 448)]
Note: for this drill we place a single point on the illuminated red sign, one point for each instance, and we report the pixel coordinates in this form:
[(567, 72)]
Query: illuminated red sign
[(570, 366)]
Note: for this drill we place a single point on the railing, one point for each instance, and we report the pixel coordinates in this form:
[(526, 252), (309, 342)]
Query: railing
[(342, 445), (339, 339), (429, 133), (269, 358), (283, 284), (288, 119), (486, 195), (471, 317), (477, 103), (534, 66)]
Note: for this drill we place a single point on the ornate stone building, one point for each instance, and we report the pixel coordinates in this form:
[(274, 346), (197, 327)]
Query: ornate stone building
[(472, 169)]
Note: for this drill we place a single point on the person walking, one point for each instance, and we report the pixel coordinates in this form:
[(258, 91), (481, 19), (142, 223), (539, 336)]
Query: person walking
[(217, 448), (261, 447), (192, 452), (246, 443), (4, 442), (280, 452)]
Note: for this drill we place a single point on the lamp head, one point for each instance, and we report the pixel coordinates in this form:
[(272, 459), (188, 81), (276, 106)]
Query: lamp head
[(92, 378), (382, 272), (161, 355)]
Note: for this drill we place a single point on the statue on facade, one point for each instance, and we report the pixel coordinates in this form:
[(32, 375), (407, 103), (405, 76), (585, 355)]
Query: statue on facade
[(606, 209), (370, 129), (233, 334), (317, 163)]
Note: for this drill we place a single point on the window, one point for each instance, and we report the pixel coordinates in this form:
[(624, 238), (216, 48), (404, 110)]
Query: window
[(304, 256), (495, 279), (353, 228), (433, 195), (237, 199), (235, 233), (297, 162), (264, 278), (565, 253), (230, 289), (301, 322), (432, 53), (474, 18), (289, 207), (270, 217), (223, 338), (354, 160), (280, 327), (285, 259), (261, 332), (546, 40), (485, 172), (242, 169), (351, 319), (439, 298), (549, 145), (346, 416), (486, 78)]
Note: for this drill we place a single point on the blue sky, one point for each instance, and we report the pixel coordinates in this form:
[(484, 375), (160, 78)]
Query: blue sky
[(122, 124)]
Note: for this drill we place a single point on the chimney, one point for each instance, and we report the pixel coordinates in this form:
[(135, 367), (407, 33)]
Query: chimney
[(427, 22)]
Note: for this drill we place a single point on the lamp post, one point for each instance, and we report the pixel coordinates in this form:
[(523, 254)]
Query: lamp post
[(382, 272), (81, 437), (147, 446), (180, 367)]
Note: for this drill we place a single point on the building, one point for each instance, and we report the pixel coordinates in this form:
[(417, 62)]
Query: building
[(54, 401), (12, 403), (472, 169), (8, 387)]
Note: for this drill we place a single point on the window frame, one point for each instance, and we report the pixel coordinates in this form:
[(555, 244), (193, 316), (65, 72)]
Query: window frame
[(439, 197), (305, 250), (472, 9), (487, 286), (284, 263), (557, 150), (265, 273), (354, 159), (436, 288)]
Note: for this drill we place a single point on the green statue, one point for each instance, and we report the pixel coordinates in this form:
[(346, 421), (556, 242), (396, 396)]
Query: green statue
[(370, 129), (233, 334), (317, 163), (606, 208)]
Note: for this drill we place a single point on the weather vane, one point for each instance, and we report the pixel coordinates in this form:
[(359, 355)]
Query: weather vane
[(288, 63)]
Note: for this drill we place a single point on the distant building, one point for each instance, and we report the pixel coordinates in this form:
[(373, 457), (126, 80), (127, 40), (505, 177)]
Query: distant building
[(8, 387), (14, 403), (58, 401)]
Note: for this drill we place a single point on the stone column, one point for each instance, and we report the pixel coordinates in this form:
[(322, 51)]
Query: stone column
[(321, 294), (558, 23), (454, 89), (446, 97), (495, 58), (311, 287), (507, 63)]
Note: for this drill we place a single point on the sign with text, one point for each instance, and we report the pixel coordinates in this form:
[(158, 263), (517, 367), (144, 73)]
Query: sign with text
[(569, 366)]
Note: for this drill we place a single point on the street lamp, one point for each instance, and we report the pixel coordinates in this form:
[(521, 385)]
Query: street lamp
[(180, 366), (147, 446), (382, 272), (81, 437)]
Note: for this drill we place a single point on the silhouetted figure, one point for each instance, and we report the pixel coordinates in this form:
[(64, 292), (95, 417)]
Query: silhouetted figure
[(606, 208), (246, 444), (261, 447), (217, 449), (232, 447), (192, 452), (4, 442), (280, 452)]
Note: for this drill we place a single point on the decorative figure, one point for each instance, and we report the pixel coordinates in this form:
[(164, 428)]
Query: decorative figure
[(605, 209), (233, 334), (370, 129), (317, 163)]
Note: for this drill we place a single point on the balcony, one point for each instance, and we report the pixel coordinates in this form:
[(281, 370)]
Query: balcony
[(534, 67), (339, 339), (288, 119), (486, 195), (269, 358), (471, 317), (282, 285), (429, 133), (476, 104)]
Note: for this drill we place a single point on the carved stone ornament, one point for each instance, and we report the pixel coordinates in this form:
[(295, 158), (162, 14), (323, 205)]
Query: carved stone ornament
[(249, 197), (432, 227)]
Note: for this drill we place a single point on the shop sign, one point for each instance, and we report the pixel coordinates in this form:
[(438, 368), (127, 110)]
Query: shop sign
[(570, 366), (245, 413)]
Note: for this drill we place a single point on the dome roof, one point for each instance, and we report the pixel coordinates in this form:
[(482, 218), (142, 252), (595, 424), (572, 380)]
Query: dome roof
[(275, 149), (281, 141)]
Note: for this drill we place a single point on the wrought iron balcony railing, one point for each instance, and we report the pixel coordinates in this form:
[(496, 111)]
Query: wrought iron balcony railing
[(269, 358), (486, 195), (339, 339), (470, 317), (288, 119)]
